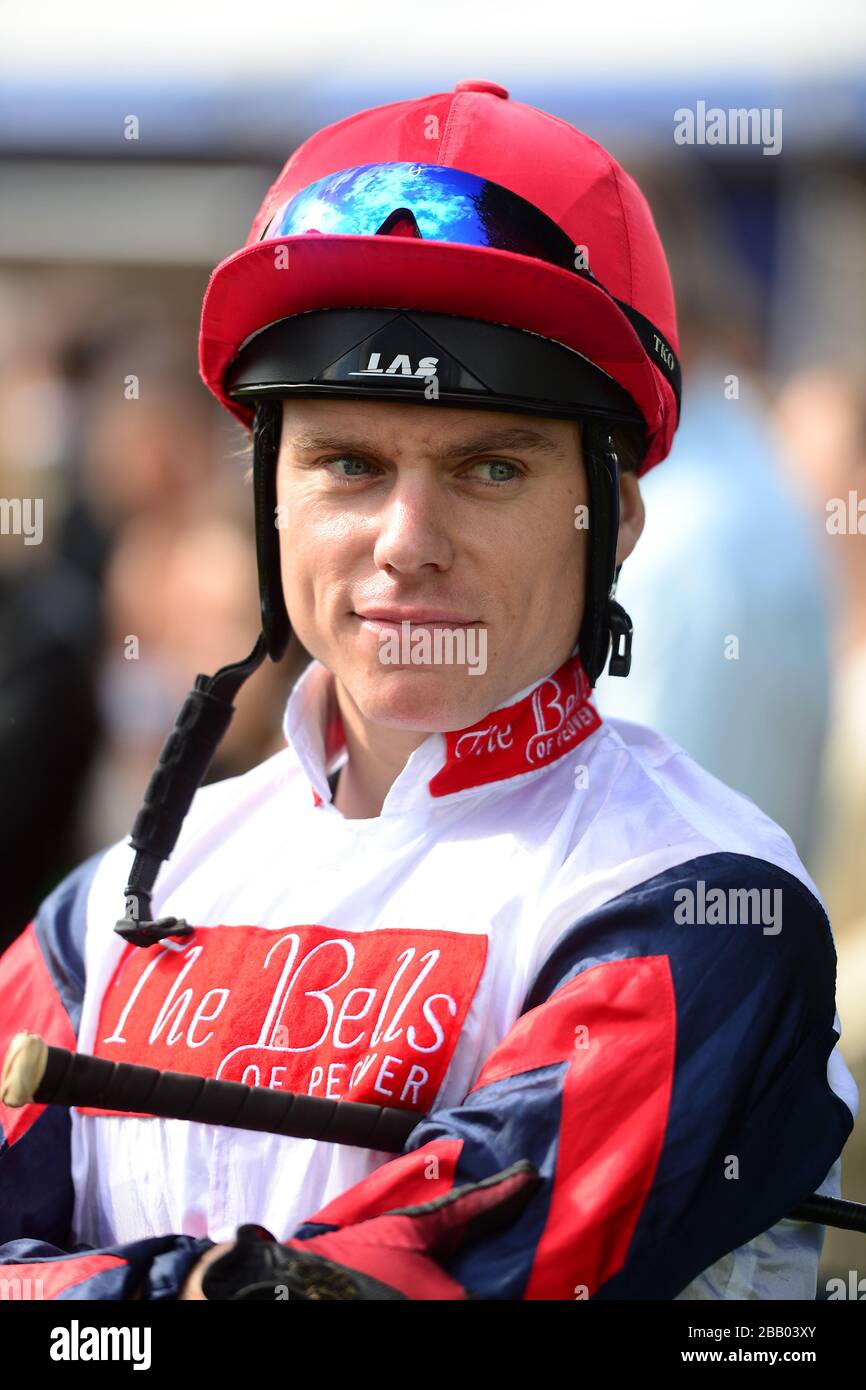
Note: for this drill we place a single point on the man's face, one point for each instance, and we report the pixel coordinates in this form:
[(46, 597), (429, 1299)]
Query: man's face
[(441, 517)]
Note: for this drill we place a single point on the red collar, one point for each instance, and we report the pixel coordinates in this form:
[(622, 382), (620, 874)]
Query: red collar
[(542, 726), (545, 723)]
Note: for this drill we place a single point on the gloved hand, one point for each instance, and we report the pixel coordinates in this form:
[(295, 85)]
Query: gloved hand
[(395, 1255)]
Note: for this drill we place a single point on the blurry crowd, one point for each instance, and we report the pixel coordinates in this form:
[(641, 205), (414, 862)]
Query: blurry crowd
[(145, 575)]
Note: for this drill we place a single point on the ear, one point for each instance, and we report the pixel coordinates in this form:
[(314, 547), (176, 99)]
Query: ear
[(631, 516)]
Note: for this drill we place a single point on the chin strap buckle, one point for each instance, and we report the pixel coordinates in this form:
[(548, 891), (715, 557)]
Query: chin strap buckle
[(138, 928), (621, 634)]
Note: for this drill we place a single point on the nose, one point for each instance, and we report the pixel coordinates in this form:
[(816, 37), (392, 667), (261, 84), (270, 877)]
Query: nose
[(413, 527)]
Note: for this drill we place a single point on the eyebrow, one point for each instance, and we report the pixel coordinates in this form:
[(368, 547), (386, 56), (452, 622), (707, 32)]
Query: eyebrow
[(508, 437)]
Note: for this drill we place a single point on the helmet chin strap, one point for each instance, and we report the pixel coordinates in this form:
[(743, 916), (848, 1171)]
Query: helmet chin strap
[(267, 429), (186, 755), (603, 617), (621, 634)]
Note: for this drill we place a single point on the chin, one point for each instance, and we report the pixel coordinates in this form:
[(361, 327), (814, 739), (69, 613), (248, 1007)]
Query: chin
[(421, 699)]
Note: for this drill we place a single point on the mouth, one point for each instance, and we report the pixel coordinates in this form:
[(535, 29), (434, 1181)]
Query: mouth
[(394, 618)]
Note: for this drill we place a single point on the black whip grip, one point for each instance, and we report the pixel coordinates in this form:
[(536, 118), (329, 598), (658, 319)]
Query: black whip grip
[(832, 1211), (74, 1078)]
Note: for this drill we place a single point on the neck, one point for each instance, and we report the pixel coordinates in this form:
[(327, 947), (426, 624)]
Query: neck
[(376, 757)]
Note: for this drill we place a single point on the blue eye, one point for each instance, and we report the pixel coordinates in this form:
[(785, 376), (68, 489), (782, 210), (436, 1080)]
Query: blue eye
[(354, 470), (497, 465)]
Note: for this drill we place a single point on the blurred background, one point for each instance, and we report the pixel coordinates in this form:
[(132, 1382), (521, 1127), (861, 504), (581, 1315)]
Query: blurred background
[(135, 146)]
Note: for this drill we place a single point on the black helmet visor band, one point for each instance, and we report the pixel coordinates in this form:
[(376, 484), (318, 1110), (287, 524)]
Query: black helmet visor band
[(388, 353)]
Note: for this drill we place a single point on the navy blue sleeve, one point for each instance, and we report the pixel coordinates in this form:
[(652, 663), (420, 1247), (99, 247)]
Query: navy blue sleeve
[(668, 1080)]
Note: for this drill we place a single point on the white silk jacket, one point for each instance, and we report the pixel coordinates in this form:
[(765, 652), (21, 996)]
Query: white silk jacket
[(561, 940)]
